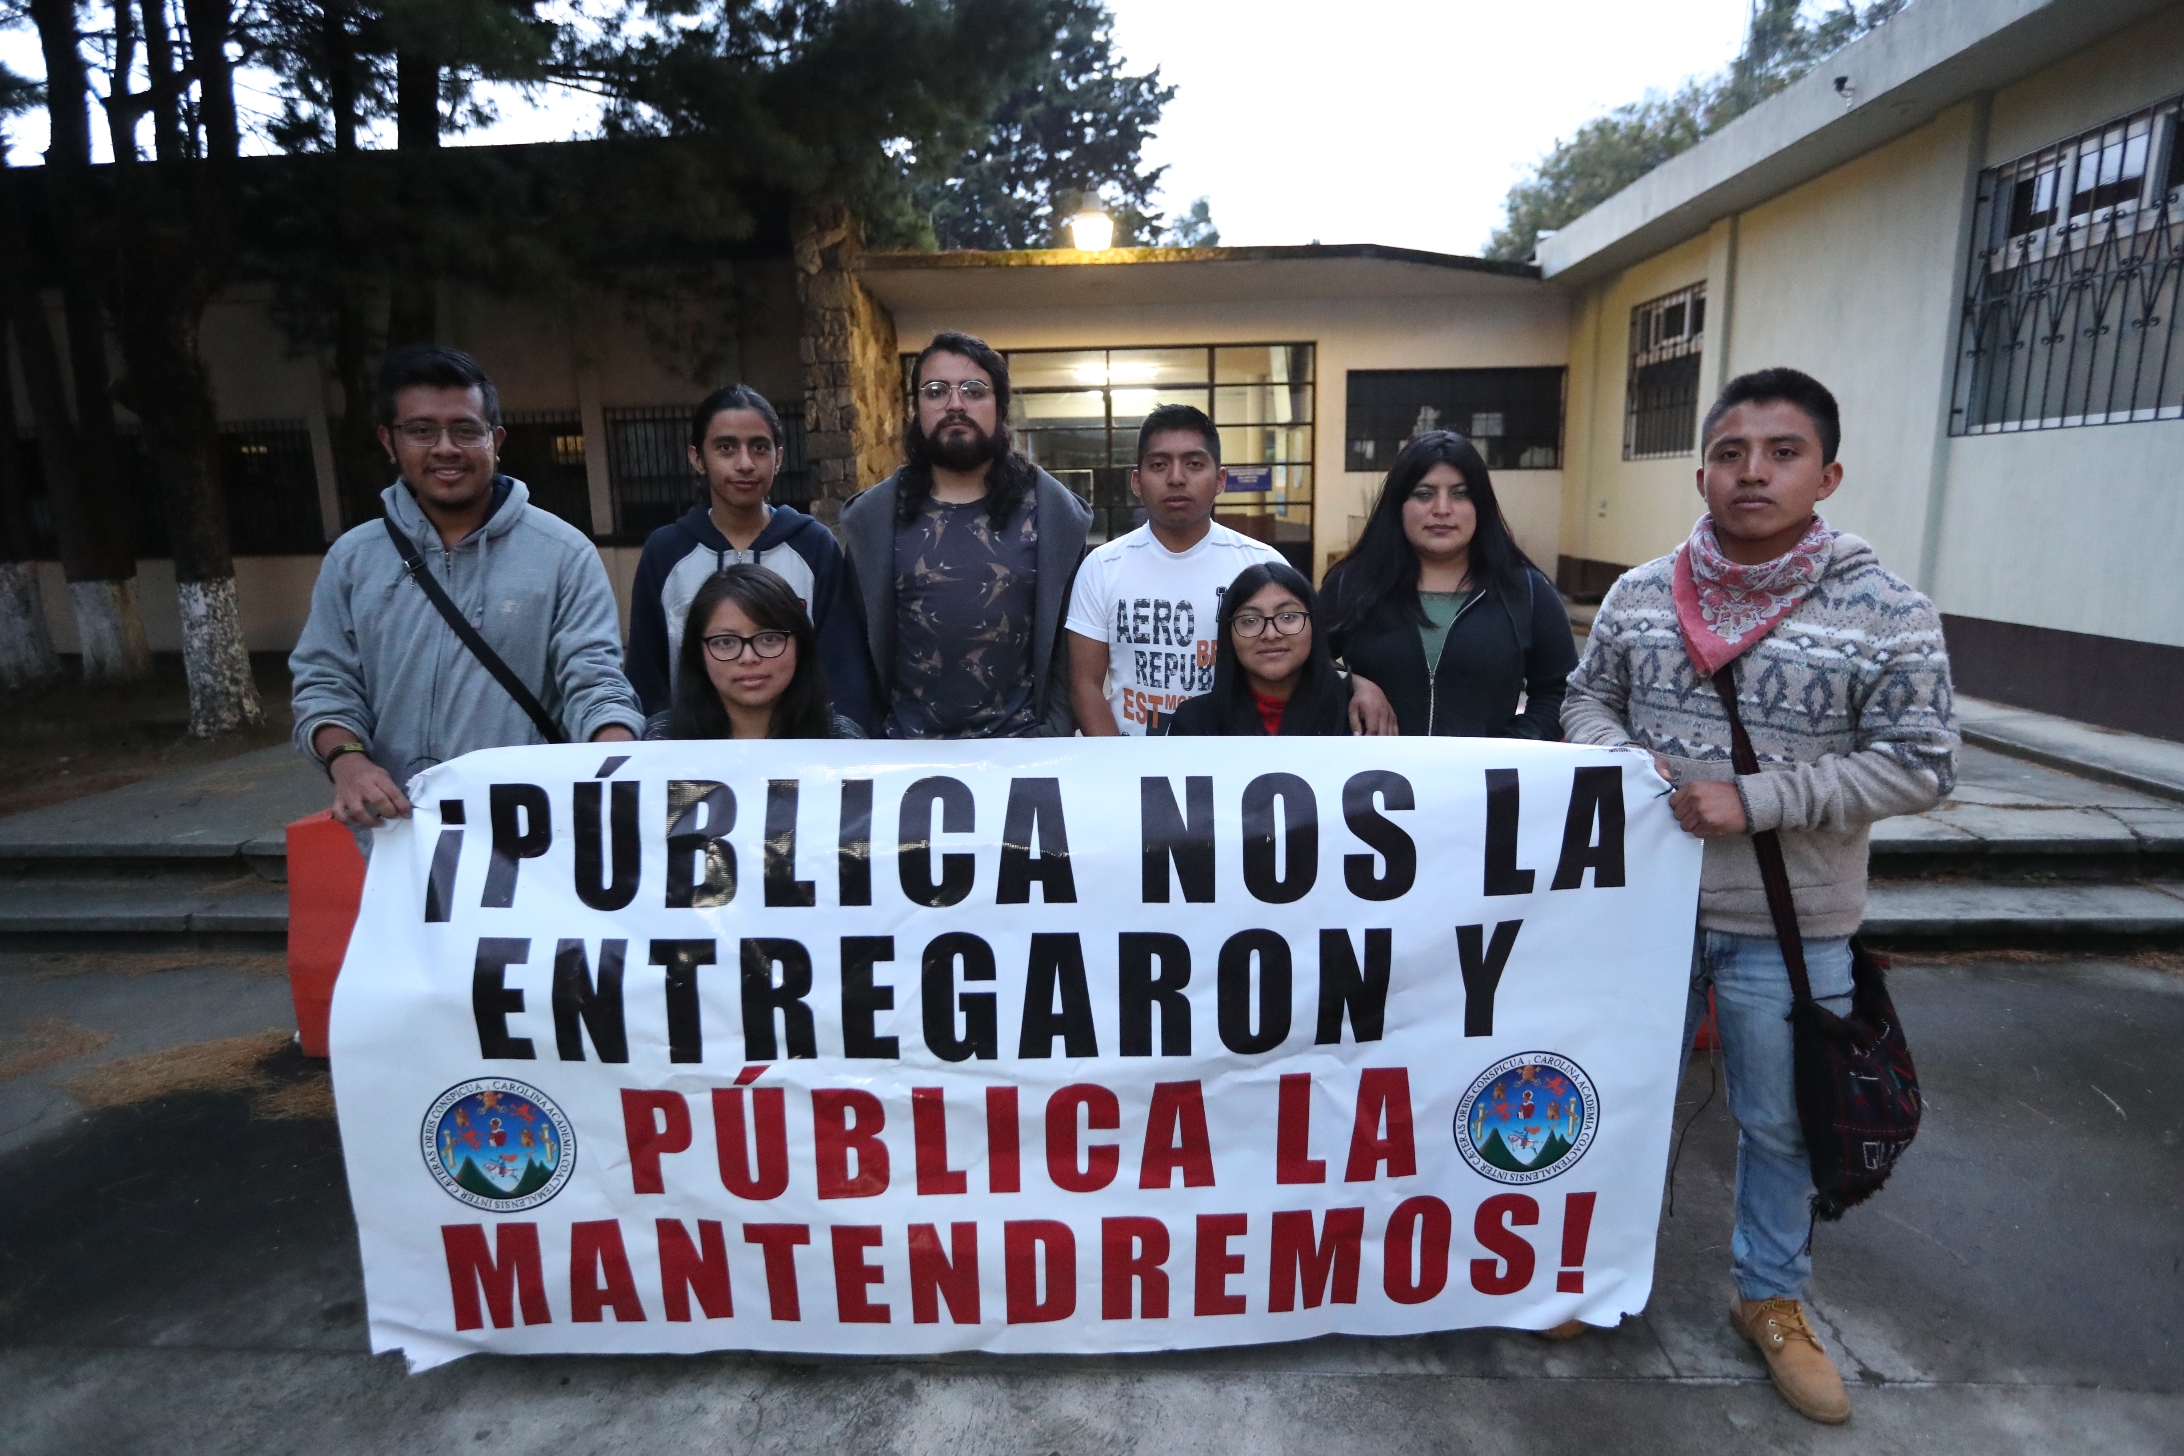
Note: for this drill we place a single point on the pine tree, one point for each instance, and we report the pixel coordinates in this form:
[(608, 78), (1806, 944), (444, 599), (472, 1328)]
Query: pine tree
[(1071, 138), (83, 476)]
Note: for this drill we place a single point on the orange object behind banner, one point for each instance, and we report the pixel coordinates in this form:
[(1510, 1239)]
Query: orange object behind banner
[(1709, 1035), (325, 887)]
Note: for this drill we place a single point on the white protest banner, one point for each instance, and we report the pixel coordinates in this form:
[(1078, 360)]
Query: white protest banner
[(1060, 1045)]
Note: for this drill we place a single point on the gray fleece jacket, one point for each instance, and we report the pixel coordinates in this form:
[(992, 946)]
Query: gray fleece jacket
[(1849, 706), (376, 658)]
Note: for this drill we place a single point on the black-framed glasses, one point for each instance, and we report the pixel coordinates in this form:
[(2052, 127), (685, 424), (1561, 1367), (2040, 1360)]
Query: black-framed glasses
[(727, 646), (1286, 624), (463, 434), (971, 391)]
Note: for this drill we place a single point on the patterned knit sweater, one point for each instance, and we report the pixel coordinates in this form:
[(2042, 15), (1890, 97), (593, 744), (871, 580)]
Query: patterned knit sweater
[(1849, 707)]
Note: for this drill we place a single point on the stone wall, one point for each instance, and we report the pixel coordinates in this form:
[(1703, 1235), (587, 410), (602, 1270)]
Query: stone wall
[(852, 379)]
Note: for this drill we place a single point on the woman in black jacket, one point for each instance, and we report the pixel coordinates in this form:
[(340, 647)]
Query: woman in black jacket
[(1439, 607), (1271, 670)]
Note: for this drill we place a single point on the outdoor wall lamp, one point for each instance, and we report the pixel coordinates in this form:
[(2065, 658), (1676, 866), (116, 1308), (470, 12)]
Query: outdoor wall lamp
[(1092, 231)]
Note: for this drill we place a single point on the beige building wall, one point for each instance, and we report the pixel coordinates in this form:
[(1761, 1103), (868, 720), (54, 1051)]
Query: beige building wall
[(1857, 277), (1507, 323), (1617, 510), (584, 354)]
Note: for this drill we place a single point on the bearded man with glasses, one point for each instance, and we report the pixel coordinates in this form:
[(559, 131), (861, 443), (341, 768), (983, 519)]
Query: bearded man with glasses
[(962, 562), (385, 686)]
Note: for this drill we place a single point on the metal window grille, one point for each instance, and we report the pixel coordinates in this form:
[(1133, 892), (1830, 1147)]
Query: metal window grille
[(2071, 301), (268, 478), (1661, 402), (545, 450), (649, 474), (271, 483), (1513, 416)]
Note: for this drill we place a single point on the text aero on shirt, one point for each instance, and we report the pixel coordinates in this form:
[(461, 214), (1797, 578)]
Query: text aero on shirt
[(1156, 610)]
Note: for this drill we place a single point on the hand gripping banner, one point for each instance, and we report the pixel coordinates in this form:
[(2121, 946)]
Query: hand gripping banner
[(1061, 1045)]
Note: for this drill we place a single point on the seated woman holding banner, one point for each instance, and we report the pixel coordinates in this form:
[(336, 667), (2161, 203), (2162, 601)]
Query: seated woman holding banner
[(749, 666), (1438, 606), (1271, 674)]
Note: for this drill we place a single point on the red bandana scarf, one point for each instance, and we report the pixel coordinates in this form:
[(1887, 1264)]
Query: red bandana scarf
[(1724, 608)]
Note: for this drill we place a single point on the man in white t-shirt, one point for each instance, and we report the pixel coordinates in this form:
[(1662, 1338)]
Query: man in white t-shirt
[(1142, 611)]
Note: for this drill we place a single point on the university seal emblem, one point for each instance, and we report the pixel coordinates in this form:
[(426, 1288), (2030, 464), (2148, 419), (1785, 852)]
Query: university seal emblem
[(498, 1145), (1527, 1118)]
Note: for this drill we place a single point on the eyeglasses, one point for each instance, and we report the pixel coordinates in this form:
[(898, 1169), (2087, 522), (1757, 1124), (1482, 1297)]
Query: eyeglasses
[(727, 646), (424, 434), (971, 391), (1286, 624)]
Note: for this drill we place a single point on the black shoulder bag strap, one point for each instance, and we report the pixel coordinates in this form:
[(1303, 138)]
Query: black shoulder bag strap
[(414, 565), (1774, 876)]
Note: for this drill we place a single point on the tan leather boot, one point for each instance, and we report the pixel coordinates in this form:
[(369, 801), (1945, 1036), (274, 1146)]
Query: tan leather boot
[(1802, 1370)]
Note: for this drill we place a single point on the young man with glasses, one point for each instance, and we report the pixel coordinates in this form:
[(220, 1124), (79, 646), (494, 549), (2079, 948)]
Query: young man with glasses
[(1142, 640), (962, 560), (384, 686)]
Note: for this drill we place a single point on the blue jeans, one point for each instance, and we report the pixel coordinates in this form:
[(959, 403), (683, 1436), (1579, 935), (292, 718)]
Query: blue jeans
[(1771, 1251)]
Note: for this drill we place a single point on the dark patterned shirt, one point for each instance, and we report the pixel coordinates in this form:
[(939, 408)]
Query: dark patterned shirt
[(963, 612)]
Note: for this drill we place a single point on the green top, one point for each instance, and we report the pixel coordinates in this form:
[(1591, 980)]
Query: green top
[(1441, 609)]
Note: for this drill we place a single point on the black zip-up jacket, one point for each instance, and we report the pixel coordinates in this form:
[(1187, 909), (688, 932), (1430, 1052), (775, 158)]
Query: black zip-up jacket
[(1500, 646)]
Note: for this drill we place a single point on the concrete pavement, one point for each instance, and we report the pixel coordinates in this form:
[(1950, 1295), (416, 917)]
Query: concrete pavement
[(179, 1275)]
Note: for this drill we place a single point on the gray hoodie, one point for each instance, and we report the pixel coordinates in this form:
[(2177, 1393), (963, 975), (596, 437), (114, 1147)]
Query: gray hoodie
[(376, 658)]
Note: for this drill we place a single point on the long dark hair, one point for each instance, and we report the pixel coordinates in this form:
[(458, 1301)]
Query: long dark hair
[(733, 397), (1316, 703), (802, 710), (1380, 575), (1011, 477)]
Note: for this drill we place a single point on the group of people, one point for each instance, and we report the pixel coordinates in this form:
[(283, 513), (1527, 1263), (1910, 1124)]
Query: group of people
[(959, 601)]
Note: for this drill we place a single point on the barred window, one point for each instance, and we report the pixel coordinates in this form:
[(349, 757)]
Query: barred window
[(649, 474), (1513, 416), (1661, 402), (545, 450), (271, 484), (2070, 308)]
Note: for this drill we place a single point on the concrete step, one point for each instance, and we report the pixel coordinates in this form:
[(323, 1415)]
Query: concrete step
[(2148, 765), (222, 901), (236, 810), (1987, 911)]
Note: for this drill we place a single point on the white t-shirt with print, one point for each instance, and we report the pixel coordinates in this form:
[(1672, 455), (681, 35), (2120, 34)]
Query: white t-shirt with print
[(1155, 610)]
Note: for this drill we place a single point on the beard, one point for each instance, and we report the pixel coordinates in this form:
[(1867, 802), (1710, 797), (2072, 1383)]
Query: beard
[(959, 444)]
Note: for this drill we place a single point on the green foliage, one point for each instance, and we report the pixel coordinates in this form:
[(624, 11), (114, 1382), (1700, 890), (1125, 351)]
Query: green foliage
[(336, 59), (843, 101), (1071, 136), (1194, 229), (17, 93), (1610, 152)]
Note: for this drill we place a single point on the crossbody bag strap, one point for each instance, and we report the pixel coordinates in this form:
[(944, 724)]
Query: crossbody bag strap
[(413, 563), (1774, 876)]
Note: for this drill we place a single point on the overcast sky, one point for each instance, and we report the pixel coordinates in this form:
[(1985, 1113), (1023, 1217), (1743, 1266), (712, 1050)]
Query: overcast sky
[(1372, 121)]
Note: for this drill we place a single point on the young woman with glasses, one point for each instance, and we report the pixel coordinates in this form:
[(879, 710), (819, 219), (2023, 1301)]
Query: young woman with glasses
[(1272, 674), (749, 666), (1439, 607)]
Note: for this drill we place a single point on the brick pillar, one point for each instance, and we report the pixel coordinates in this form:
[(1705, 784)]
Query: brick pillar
[(852, 380)]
